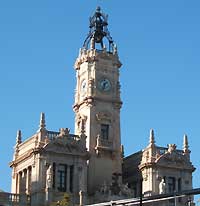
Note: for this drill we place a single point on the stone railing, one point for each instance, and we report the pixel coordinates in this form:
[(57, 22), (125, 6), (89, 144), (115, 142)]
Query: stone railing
[(163, 150), (14, 199), (52, 135), (103, 143)]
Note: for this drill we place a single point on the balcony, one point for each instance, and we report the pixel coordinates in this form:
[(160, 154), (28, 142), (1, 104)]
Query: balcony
[(10, 199), (103, 144)]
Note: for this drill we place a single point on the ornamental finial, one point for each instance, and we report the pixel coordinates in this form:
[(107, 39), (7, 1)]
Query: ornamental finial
[(19, 137), (151, 137), (185, 144), (98, 30), (98, 9), (42, 121)]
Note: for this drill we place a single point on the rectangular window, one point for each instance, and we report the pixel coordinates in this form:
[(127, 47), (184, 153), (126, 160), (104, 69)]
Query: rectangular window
[(171, 184), (104, 131), (62, 177)]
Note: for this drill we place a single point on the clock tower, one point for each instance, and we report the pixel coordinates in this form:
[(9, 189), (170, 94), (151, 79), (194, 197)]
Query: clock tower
[(97, 102)]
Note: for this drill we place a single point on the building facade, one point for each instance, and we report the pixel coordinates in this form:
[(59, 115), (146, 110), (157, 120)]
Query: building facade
[(50, 164), (97, 105), (160, 170), (87, 165)]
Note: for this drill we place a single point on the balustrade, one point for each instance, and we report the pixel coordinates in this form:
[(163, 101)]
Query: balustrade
[(104, 143), (14, 199)]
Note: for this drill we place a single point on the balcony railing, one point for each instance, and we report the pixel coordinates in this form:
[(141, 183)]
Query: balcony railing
[(52, 135), (104, 143), (10, 199)]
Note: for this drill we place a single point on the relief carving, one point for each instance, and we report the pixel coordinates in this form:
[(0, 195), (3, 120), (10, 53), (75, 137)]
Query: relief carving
[(103, 116), (81, 121), (49, 177)]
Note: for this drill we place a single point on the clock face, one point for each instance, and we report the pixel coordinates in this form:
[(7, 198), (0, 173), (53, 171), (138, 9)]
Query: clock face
[(104, 85), (83, 86)]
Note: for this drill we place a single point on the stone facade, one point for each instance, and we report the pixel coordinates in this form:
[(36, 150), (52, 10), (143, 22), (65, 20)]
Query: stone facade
[(98, 103), (160, 170), (49, 164), (99, 110), (87, 165)]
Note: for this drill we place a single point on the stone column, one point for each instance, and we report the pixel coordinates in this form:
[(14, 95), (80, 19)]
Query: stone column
[(84, 179), (80, 178), (76, 179), (27, 180), (16, 184), (19, 182), (68, 178)]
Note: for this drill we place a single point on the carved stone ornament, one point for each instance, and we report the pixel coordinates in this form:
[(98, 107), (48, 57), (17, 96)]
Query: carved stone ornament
[(171, 148), (103, 116), (64, 132), (174, 159), (113, 191), (49, 177), (80, 117), (67, 144)]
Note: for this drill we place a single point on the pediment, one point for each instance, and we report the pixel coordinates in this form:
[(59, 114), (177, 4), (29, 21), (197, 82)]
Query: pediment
[(174, 159), (65, 144)]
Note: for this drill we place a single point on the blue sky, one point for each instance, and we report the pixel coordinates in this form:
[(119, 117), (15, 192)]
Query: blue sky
[(159, 46)]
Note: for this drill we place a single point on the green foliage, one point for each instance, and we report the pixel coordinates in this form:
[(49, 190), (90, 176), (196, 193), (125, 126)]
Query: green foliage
[(65, 201)]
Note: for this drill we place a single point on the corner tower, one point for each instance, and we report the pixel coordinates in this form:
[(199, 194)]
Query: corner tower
[(97, 102)]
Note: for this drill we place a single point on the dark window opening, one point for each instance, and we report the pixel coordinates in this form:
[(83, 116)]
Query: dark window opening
[(179, 185), (171, 184), (104, 131), (179, 188), (62, 177)]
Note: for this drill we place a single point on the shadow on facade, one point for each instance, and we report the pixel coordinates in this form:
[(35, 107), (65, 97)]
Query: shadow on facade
[(131, 173), (9, 199)]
